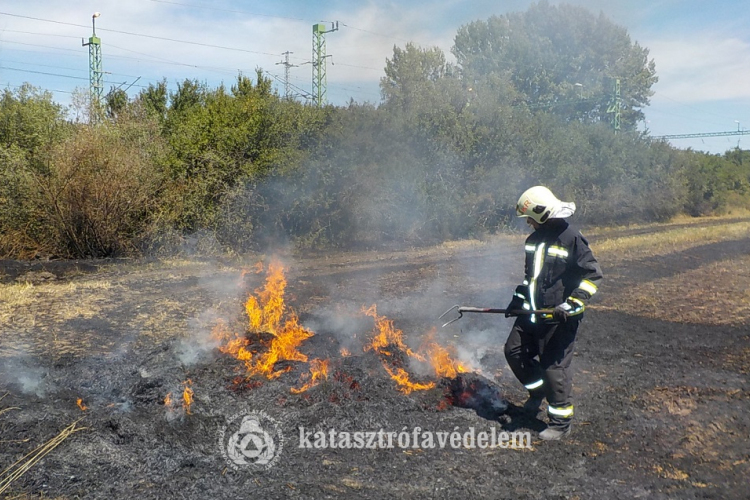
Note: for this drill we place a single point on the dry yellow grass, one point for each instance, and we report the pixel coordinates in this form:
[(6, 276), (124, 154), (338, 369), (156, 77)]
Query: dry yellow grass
[(23, 465), (667, 240), (716, 293), (15, 295), (670, 472), (66, 300)]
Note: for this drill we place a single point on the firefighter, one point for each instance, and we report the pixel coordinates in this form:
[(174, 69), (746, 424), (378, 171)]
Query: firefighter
[(561, 274)]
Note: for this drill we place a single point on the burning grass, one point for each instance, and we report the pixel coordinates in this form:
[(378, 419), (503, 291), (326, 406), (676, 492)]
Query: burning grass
[(274, 337), (267, 315)]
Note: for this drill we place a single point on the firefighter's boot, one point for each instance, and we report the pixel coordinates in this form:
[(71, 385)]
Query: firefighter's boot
[(554, 433)]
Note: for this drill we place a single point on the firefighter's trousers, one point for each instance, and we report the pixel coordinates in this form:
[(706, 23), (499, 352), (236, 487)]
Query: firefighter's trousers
[(540, 355)]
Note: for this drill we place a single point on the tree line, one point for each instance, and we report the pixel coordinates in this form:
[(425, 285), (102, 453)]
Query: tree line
[(529, 100)]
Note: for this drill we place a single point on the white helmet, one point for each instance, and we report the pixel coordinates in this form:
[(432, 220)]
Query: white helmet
[(540, 204)]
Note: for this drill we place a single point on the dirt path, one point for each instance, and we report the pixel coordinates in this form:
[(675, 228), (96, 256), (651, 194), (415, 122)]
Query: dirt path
[(661, 376)]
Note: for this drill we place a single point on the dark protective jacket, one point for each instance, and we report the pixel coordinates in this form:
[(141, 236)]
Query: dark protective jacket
[(559, 267)]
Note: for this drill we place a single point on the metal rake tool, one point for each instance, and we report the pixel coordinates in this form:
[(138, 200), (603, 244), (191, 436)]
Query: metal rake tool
[(460, 310)]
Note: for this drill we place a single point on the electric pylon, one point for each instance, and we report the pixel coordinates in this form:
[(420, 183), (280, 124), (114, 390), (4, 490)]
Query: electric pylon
[(616, 106), (287, 65), (319, 77), (96, 81)]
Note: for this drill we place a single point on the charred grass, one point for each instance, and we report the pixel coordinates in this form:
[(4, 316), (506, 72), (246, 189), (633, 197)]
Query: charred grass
[(660, 385)]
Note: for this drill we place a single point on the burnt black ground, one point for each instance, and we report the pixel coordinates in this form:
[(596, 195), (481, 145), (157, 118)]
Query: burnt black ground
[(662, 407)]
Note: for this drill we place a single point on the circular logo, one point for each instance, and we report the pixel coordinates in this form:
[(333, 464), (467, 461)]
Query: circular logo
[(251, 439)]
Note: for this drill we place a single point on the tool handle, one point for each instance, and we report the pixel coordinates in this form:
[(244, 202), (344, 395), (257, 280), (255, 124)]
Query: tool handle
[(491, 310)]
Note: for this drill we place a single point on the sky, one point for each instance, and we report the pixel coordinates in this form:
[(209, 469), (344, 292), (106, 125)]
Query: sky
[(701, 48)]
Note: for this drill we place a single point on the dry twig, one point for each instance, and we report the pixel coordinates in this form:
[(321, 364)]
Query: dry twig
[(23, 465)]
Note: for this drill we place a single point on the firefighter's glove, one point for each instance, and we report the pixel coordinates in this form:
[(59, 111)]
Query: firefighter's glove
[(515, 305), (562, 312)]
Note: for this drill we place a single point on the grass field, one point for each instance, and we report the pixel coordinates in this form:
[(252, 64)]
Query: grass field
[(661, 371)]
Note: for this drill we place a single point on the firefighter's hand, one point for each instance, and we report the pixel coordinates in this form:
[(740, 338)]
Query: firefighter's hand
[(515, 305), (562, 312)]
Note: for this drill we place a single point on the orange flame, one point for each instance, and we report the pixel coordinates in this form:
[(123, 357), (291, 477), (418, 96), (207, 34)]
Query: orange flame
[(187, 396), (405, 385), (387, 335), (278, 336), (441, 361), (318, 372), (267, 313), (80, 404), (233, 344), (168, 400)]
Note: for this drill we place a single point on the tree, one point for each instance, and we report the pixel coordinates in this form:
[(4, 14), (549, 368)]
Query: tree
[(189, 93), (29, 119), (411, 76), (155, 99), (115, 102), (562, 58), (245, 88)]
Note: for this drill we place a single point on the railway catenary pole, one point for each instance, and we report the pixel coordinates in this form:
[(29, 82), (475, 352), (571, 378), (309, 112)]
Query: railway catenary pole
[(319, 76), (96, 80), (616, 106)]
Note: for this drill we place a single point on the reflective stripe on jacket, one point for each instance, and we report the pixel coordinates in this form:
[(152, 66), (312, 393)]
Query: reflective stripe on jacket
[(559, 266)]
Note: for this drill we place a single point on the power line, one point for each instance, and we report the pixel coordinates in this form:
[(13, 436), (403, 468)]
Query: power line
[(6, 61), (61, 75), (227, 10), (142, 35), (217, 9), (300, 91), (154, 58), (42, 34), (115, 56), (171, 39), (706, 134), (43, 46), (355, 66), (287, 65), (8, 85), (61, 67), (689, 106), (44, 73), (373, 33)]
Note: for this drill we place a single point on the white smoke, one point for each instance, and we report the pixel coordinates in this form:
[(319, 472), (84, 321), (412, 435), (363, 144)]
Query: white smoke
[(198, 345), (23, 374)]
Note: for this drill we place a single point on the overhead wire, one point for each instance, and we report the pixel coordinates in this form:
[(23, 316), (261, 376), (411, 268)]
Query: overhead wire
[(180, 41), (154, 37), (233, 11), (43, 34), (213, 8), (238, 49), (9, 85), (694, 108), (116, 56), (62, 76)]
